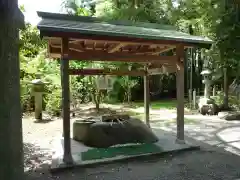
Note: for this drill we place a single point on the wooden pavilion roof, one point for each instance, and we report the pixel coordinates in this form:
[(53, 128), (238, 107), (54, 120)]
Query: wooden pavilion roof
[(91, 38)]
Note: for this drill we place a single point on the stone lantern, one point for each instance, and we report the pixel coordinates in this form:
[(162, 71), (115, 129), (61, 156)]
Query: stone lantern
[(38, 87), (207, 105), (207, 81)]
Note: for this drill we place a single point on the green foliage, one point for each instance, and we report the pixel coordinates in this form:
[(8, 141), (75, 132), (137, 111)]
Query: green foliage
[(218, 20), (50, 73), (73, 7), (30, 42), (54, 102), (127, 84), (154, 11), (206, 17), (234, 101)]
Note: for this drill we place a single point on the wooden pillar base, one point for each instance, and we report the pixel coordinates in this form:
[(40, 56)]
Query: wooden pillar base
[(179, 141), (68, 159)]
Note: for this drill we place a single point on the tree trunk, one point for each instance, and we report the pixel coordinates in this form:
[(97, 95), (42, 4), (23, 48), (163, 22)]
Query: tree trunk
[(225, 99), (118, 3), (214, 90), (129, 90), (11, 142), (98, 99), (129, 95), (96, 96)]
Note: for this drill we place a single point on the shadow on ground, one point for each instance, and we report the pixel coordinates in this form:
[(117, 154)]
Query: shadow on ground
[(194, 165), (43, 121), (215, 134), (36, 157)]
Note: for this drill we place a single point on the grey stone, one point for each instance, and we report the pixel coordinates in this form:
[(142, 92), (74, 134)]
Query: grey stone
[(105, 133), (111, 118), (207, 106), (229, 115)]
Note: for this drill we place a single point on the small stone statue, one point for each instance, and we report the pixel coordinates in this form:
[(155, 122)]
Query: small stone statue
[(37, 92), (207, 105)]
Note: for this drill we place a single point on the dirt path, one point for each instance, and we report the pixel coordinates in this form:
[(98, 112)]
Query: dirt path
[(39, 138)]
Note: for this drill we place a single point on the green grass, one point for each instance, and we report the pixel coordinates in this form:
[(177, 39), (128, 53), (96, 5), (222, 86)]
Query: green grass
[(130, 150), (171, 104), (132, 113), (164, 104), (174, 121)]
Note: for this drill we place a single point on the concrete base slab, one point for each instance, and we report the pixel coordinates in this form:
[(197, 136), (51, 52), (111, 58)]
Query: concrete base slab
[(167, 142)]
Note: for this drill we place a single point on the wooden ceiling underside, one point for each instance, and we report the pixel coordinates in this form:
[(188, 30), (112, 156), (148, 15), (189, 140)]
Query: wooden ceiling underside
[(81, 45), (103, 50)]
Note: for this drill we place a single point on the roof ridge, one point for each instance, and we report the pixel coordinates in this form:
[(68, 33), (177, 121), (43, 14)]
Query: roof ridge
[(90, 19)]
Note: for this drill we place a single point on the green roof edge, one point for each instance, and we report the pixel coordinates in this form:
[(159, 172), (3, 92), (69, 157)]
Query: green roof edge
[(89, 19)]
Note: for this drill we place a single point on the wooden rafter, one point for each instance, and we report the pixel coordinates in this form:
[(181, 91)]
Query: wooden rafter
[(75, 41), (94, 45), (116, 48), (106, 72), (79, 46), (149, 51), (161, 50), (75, 49)]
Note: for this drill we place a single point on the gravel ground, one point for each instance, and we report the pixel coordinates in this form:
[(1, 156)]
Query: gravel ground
[(194, 165)]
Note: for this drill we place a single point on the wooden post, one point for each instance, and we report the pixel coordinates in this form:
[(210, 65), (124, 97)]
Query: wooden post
[(67, 157), (146, 97), (225, 97), (180, 94), (129, 87), (194, 99), (191, 76), (190, 98), (11, 142)]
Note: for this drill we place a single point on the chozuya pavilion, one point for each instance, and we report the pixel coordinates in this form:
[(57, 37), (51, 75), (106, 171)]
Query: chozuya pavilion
[(93, 39)]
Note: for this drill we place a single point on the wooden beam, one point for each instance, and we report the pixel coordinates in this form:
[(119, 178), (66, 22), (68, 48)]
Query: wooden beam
[(180, 94), (114, 39), (106, 72), (161, 50), (55, 45), (54, 55), (80, 48), (75, 41), (121, 56), (116, 48), (67, 156), (75, 49), (124, 57)]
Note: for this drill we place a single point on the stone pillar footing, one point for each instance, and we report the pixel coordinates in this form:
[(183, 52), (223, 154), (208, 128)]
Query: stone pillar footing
[(180, 141)]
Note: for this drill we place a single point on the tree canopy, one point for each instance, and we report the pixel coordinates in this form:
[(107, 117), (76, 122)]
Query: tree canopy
[(219, 20)]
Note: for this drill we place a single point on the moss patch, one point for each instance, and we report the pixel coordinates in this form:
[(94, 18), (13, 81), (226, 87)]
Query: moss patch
[(111, 152)]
